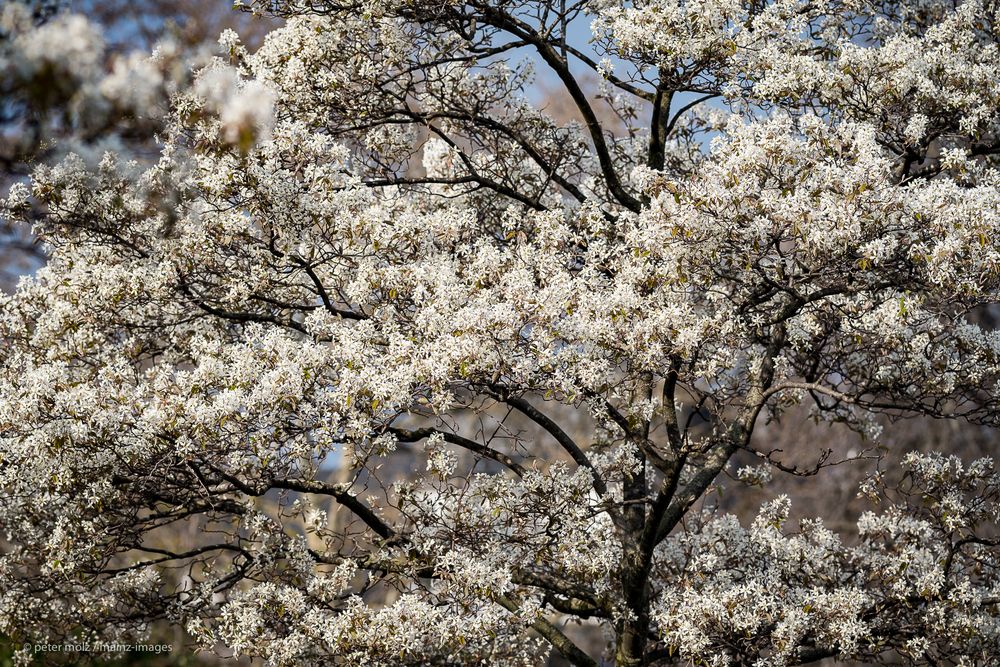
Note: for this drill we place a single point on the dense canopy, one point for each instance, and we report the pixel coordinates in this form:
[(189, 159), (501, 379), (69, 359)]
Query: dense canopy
[(370, 237)]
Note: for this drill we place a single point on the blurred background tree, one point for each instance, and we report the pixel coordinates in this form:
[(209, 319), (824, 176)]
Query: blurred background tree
[(129, 26)]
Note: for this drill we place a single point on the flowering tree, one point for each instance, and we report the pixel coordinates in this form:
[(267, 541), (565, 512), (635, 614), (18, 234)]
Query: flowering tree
[(365, 238)]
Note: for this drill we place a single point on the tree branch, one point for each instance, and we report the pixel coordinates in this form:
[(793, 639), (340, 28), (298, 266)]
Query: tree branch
[(554, 635), (406, 435), (520, 29)]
